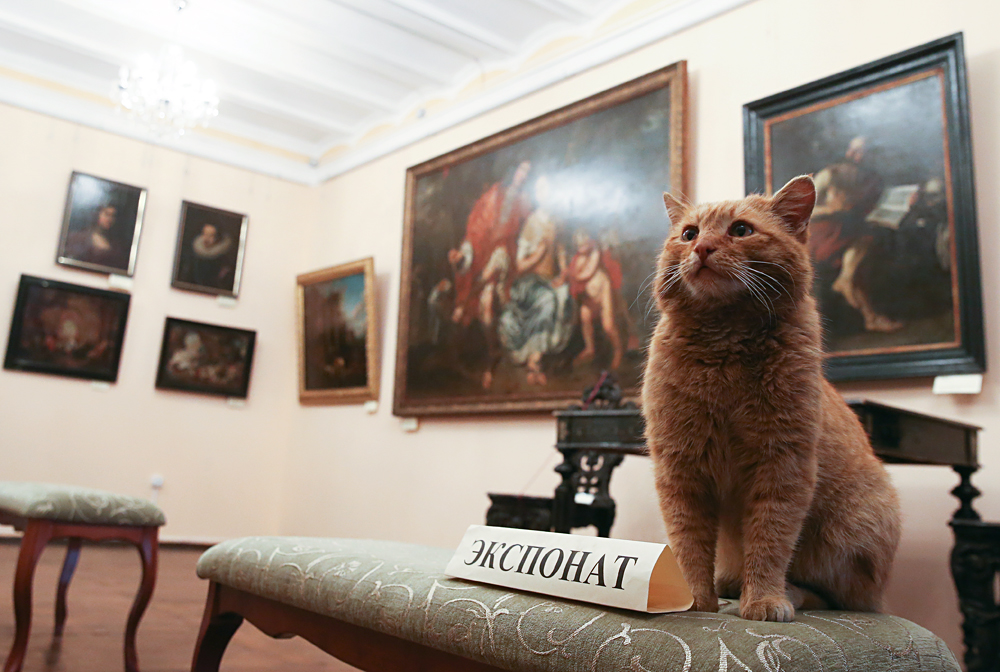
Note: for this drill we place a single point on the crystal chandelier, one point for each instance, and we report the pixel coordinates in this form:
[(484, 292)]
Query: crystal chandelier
[(166, 93)]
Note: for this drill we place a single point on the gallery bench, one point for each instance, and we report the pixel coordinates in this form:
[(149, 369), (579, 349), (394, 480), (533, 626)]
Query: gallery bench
[(45, 511), (388, 606)]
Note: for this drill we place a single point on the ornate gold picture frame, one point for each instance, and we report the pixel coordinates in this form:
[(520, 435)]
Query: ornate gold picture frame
[(338, 335)]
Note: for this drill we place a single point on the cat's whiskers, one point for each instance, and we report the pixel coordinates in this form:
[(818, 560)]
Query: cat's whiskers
[(791, 276), (642, 287), (769, 280), (755, 288)]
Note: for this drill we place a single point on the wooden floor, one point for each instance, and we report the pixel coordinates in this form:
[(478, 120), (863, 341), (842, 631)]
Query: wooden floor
[(98, 602)]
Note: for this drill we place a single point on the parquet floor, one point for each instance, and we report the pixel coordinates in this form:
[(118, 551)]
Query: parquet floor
[(98, 602)]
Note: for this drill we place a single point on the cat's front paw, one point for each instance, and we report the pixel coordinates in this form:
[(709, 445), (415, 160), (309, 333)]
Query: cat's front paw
[(768, 609), (709, 603)]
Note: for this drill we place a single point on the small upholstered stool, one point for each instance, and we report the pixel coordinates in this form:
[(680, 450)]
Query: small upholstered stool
[(387, 606), (44, 512)]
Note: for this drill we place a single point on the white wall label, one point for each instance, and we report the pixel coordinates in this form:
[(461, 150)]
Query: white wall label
[(120, 282), (967, 383)]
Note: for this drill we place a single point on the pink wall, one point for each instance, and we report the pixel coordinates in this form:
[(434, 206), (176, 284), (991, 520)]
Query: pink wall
[(223, 466)]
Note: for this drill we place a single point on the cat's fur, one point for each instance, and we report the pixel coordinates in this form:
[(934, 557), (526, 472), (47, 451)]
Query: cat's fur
[(764, 474)]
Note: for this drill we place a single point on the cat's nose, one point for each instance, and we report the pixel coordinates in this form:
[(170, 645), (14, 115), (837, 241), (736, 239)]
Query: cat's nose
[(704, 248)]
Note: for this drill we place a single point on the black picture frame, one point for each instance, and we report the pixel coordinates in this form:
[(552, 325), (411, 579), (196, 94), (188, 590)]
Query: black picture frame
[(210, 246), (894, 234), (67, 330), (101, 225), (205, 358)]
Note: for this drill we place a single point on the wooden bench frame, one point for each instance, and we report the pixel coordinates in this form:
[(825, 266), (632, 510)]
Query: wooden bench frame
[(227, 607), (38, 532)]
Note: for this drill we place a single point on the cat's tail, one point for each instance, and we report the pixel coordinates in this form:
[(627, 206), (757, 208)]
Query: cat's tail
[(807, 599)]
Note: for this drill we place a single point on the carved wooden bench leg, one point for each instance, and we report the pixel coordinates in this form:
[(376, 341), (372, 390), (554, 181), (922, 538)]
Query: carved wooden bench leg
[(216, 631), (148, 545), (364, 648), (37, 534), (69, 566)]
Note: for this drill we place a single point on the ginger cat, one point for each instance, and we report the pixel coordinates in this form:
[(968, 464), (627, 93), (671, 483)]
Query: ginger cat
[(767, 482)]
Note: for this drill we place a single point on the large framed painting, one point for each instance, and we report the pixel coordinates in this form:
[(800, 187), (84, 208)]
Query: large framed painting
[(101, 225), (210, 247), (893, 235), (205, 358), (67, 330), (338, 336), (527, 255)]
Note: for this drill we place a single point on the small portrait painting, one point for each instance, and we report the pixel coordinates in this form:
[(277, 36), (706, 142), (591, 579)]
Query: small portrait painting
[(101, 225), (210, 246), (66, 329), (337, 344), (205, 358)]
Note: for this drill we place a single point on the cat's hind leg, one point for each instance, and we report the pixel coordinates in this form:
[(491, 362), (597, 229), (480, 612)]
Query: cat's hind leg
[(728, 564)]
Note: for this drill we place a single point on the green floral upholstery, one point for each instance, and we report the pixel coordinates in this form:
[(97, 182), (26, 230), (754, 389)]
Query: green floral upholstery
[(72, 504), (399, 589)]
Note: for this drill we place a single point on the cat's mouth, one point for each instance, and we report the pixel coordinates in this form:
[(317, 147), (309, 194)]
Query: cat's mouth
[(706, 271)]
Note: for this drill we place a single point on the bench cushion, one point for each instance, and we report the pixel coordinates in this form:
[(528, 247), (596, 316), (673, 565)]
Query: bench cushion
[(399, 589), (72, 504)]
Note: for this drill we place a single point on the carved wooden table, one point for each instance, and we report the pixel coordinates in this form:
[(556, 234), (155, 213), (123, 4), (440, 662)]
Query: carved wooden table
[(595, 440), (907, 437)]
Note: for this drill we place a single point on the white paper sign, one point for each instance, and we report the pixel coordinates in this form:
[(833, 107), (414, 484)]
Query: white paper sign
[(116, 281), (967, 383), (633, 575)]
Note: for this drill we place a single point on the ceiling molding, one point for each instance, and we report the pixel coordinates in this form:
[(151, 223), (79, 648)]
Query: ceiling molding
[(292, 107), (652, 29)]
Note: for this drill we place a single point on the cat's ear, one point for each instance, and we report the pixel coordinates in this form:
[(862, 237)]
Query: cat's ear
[(676, 208), (794, 205)]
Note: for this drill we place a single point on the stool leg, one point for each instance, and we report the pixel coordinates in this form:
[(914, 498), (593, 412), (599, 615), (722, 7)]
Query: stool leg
[(69, 566), (148, 550), (36, 535), (216, 631)]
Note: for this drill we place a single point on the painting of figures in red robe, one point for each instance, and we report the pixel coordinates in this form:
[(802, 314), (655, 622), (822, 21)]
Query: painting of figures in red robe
[(527, 256)]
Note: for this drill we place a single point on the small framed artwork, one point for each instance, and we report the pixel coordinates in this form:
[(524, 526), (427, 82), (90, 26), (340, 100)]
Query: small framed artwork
[(894, 234), (67, 330), (338, 336), (205, 358), (210, 246), (101, 224), (527, 254)]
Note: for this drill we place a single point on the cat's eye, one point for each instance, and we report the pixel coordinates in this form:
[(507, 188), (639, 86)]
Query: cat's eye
[(740, 229), (689, 233)]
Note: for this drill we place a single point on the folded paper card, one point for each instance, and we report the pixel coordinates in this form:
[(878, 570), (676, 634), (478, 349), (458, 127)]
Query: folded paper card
[(627, 574)]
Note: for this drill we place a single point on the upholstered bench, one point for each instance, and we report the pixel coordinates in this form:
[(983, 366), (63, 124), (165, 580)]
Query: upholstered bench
[(45, 511), (387, 606)]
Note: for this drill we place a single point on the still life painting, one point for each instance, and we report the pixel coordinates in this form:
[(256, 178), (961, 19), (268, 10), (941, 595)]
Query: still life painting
[(205, 358)]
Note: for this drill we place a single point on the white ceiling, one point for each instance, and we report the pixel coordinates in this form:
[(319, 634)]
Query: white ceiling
[(312, 88)]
